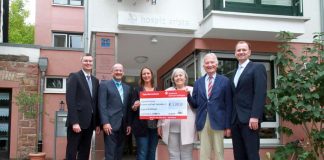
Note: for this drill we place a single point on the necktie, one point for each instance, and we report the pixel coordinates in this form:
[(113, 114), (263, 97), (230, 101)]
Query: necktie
[(89, 84), (238, 74), (210, 85), (120, 90)]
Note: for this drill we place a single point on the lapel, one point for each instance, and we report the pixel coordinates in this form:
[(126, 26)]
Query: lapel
[(203, 87), (85, 83), (248, 67), (216, 84), (114, 87), (93, 84)]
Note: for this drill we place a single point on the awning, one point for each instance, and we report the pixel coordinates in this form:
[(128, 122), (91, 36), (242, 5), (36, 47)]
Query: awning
[(4, 112), (4, 96), (4, 127)]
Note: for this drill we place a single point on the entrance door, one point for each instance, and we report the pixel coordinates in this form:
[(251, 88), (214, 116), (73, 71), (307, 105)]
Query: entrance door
[(5, 106)]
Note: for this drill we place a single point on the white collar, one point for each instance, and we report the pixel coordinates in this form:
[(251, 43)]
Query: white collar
[(85, 73), (244, 64)]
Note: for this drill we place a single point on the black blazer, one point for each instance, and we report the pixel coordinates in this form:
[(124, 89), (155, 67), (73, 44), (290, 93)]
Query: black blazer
[(111, 108), (139, 127), (250, 93), (81, 106)]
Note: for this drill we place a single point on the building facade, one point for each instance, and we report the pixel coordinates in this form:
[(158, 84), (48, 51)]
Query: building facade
[(159, 34)]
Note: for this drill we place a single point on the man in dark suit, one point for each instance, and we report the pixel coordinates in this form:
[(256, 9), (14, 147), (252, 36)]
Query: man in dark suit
[(249, 87), (114, 106), (213, 100), (81, 99)]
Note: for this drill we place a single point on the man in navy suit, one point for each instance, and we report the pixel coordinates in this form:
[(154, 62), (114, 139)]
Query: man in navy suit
[(114, 106), (82, 119), (249, 87), (213, 100)]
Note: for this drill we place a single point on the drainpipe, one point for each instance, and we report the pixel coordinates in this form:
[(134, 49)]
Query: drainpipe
[(321, 18), (86, 26), (42, 64)]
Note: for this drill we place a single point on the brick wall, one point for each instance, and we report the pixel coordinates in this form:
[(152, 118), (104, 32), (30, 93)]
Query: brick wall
[(19, 69)]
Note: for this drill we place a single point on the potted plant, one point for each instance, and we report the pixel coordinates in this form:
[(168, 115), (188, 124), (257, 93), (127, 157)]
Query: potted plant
[(298, 97), (28, 104)]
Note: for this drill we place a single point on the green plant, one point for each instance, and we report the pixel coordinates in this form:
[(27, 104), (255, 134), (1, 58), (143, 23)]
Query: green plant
[(298, 97), (20, 31), (28, 103)]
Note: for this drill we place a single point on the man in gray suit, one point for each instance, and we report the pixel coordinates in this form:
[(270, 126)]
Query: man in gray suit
[(114, 105)]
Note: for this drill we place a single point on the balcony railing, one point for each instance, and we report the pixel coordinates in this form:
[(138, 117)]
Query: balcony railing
[(274, 7)]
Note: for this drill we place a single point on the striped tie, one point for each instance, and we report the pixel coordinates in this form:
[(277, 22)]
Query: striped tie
[(210, 85)]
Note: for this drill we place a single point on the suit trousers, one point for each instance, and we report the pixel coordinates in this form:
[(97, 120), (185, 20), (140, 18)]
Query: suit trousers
[(114, 144), (246, 142), (177, 151), (78, 144), (211, 139)]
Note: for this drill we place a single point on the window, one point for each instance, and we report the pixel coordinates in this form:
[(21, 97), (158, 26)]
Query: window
[(55, 85), (5, 109), (190, 66), (273, 7), (59, 40), (69, 2), (277, 2), (67, 40), (241, 1), (105, 43)]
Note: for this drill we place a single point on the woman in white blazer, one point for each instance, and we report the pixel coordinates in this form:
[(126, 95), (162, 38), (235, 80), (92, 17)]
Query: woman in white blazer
[(179, 135)]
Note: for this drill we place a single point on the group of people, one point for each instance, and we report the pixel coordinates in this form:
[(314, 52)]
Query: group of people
[(217, 107)]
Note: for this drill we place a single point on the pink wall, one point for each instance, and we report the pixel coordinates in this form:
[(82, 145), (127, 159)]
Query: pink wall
[(105, 57), (56, 18), (51, 105), (62, 63)]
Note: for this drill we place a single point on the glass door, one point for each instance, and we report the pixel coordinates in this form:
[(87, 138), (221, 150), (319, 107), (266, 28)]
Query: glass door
[(5, 105)]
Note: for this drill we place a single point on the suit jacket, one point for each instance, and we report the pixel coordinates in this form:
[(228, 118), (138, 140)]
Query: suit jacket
[(139, 127), (81, 105), (250, 93), (187, 129), (218, 106), (111, 108)]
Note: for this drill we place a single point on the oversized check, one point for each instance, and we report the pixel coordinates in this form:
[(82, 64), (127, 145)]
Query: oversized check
[(163, 104)]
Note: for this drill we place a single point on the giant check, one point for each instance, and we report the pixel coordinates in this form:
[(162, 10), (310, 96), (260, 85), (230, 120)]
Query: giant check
[(163, 104)]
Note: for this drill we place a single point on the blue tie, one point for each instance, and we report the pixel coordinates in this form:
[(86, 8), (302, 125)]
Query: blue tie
[(120, 90)]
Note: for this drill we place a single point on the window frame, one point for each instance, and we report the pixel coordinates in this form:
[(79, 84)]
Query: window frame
[(58, 34), (257, 7), (70, 39), (68, 3), (54, 90), (67, 39)]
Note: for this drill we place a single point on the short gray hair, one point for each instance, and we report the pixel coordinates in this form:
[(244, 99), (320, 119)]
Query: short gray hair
[(176, 71), (213, 55), (117, 64)]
